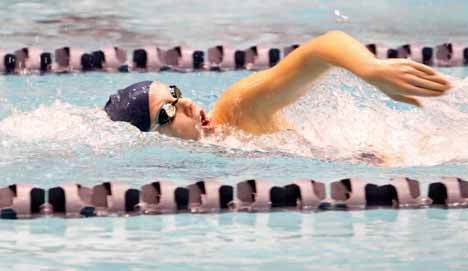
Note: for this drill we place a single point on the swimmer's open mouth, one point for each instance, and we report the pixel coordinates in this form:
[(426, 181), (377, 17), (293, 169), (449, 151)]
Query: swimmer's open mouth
[(203, 119)]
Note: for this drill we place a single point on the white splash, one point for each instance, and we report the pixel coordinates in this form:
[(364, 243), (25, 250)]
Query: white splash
[(340, 18), (63, 128), (343, 118)]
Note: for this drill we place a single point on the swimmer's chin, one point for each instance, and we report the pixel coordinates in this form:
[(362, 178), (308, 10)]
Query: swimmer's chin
[(207, 128)]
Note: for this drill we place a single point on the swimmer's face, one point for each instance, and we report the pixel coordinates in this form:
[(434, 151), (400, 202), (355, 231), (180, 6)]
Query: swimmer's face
[(186, 124)]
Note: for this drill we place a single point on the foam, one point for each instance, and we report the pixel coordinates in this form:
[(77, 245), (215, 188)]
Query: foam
[(62, 128), (341, 118), (353, 121)]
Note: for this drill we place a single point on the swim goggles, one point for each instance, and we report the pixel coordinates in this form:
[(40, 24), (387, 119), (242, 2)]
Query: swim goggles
[(168, 111)]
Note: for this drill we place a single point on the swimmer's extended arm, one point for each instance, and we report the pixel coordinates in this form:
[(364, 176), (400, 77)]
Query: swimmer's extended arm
[(252, 102)]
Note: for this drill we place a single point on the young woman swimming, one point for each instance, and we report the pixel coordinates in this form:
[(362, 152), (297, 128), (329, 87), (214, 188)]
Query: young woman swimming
[(253, 103)]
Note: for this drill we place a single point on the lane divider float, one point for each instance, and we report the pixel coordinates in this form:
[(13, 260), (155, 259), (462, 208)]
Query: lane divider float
[(211, 196), (151, 58)]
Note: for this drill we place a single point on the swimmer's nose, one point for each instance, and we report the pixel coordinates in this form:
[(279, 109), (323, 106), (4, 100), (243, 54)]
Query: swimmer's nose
[(187, 106)]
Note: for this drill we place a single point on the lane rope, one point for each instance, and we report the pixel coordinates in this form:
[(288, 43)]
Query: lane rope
[(211, 196), (182, 59)]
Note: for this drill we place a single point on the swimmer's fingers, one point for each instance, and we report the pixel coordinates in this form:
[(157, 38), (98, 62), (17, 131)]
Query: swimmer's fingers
[(435, 78), (421, 67), (410, 88), (426, 83), (405, 99), (403, 78)]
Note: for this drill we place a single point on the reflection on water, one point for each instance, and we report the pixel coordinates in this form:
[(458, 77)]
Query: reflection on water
[(376, 238), (134, 23), (52, 129)]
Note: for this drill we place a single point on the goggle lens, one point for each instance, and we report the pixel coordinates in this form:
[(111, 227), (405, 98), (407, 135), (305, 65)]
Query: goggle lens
[(168, 110)]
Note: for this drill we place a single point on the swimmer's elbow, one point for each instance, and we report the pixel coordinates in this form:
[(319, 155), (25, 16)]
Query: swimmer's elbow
[(333, 34), (320, 47), (331, 40)]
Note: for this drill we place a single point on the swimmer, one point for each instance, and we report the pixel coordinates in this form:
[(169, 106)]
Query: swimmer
[(254, 103)]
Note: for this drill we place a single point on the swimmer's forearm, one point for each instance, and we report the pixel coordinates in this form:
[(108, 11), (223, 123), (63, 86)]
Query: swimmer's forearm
[(400, 79), (264, 93), (254, 100), (290, 79)]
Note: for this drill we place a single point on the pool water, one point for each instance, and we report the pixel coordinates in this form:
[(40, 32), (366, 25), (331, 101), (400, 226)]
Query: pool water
[(53, 129)]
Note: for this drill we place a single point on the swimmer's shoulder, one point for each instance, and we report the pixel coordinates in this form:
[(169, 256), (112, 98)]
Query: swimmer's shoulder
[(228, 115), (245, 105)]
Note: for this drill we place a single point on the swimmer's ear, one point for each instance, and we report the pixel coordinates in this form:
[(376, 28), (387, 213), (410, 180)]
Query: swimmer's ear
[(405, 99)]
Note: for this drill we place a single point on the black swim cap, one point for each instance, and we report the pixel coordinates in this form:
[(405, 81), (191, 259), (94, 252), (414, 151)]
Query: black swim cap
[(131, 105)]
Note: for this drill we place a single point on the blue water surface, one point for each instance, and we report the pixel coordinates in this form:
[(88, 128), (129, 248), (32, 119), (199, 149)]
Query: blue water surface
[(52, 130)]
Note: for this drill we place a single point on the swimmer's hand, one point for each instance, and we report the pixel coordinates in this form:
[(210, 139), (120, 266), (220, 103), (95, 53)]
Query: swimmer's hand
[(402, 79)]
